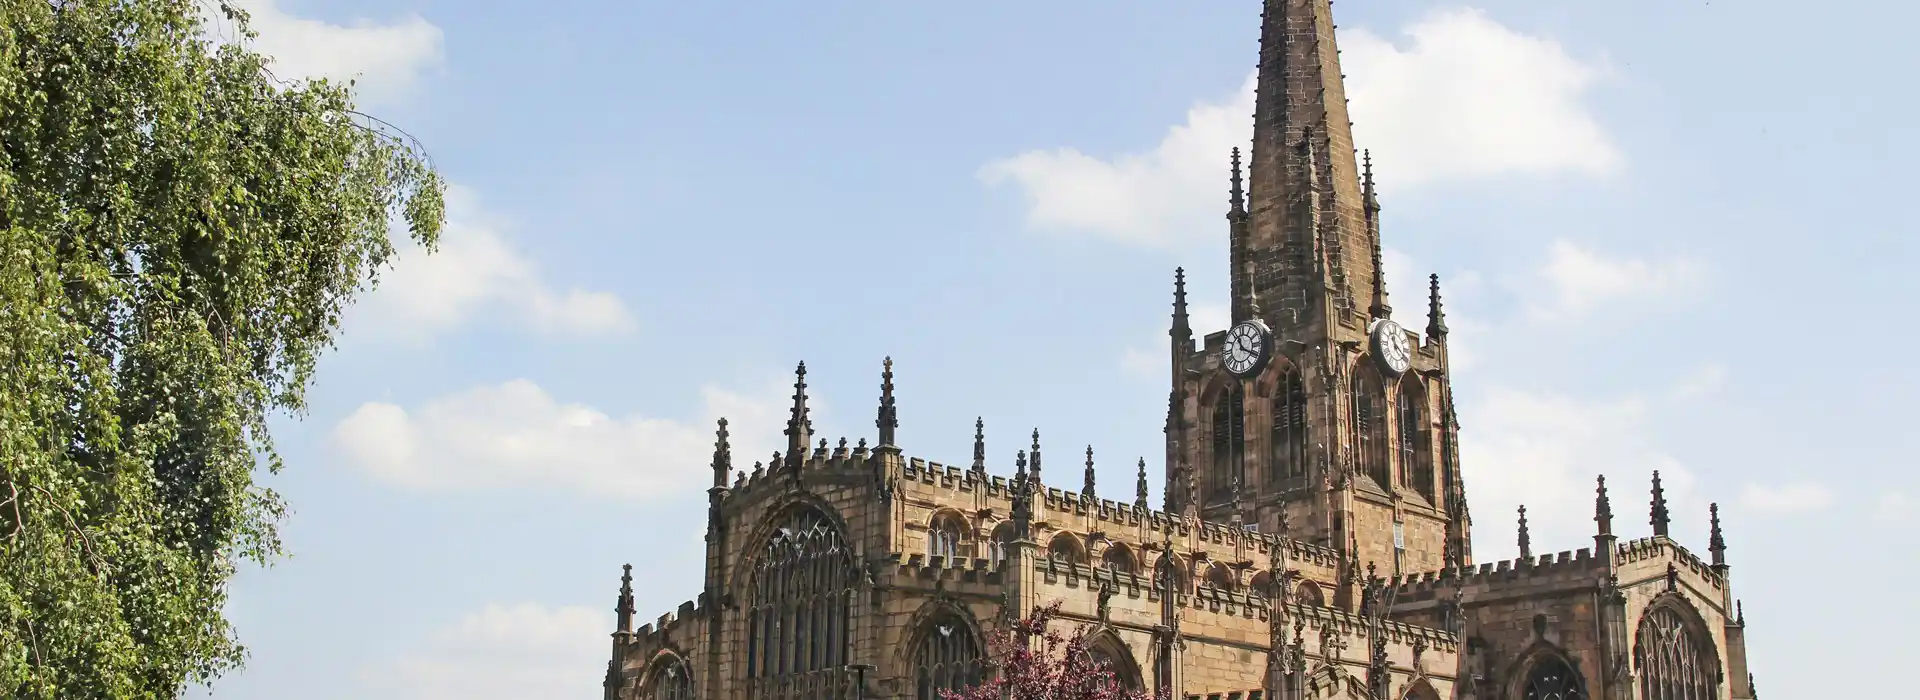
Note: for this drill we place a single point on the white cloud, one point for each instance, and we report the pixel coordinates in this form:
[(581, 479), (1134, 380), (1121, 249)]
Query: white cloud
[(385, 58), (1543, 450), (1705, 381), (1149, 359), (503, 652), (1785, 499), (1469, 98), (1577, 280), (476, 271), (515, 434), (1897, 506)]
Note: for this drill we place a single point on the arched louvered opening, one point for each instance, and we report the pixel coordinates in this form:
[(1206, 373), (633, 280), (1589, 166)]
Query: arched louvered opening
[(1221, 577), (1369, 426), (1287, 440), (1675, 659), (946, 535), (668, 680), (1118, 559), (1552, 678), (1220, 477), (1065, 549), (799, 609), (1002, 535), (947, 658), (1415, 440), (1308, 593)]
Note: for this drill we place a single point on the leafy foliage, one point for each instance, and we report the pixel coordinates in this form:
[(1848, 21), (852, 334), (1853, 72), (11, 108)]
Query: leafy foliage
[(179, 234), (1057, 667)]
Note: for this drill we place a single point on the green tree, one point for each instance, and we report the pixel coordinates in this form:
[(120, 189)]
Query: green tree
[(180, 231)]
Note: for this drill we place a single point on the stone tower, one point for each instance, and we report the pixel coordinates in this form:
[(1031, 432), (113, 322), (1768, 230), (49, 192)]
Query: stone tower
[(1328, 443)]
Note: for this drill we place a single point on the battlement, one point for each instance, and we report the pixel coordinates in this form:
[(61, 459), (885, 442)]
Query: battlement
[(1424, 585), (936, 568), (839, 459), (1655, 549), (668, 626)]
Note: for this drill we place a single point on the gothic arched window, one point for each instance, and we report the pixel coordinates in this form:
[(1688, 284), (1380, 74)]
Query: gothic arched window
[(1117, 559), (669, 681), (1676, 662), (944, 536), (1552, 679), (1220, 478), (948, 658), (1065, 549), (1219, 576), (1002, 534), (1106, 651), (1416, 450), (1369, 426), (1288, 439), (799, 607), (1261, 585), (1308, 593)]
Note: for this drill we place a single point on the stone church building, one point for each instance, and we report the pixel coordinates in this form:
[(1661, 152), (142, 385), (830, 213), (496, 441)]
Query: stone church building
[(1314, 540)]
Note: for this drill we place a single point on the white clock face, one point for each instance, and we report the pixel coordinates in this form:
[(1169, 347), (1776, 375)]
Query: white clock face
[(1390, 345), (1245, 349)]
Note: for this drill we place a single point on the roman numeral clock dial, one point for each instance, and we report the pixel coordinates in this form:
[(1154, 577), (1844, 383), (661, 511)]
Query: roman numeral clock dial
[(1390, 346), (1249, 345)]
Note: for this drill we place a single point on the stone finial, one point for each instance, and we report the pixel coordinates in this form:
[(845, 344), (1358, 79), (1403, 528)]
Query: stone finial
[(1716, 542), (1036, 457), (1236, 198), (1659, 513), (799, 426), (1526, 542), (722, 456), (1673, 577), (1022, 498), (1181, 331), (623, 608), (889, 419), (1086, 489), (979, 445), (1740, 610), (1436, 316), (1140, 487), (1602, 508), (1367, 193)]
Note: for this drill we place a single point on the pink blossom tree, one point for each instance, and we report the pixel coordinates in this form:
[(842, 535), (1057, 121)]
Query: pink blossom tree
[(1036, 662)]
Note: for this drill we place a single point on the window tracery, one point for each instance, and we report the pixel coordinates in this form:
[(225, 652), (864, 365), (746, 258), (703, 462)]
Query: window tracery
[(669, 681), (948, 658), (1108, 652), (799, 608), (1551, 678), (1002, 535), (1675, 661), (945, 535)]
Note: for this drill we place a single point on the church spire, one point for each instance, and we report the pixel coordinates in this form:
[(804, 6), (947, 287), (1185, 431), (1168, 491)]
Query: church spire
[(1436, 317), (888, 420), (1659, 513), (799, 426), (1086, 489), (1140, 487)]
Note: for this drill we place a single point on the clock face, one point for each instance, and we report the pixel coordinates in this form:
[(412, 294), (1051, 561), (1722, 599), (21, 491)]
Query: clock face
[(1390, 346), (1246, 348)]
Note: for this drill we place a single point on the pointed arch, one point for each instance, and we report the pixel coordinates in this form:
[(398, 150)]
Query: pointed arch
[(947, 651), (1106, 649), (1551, 677), (1119, 559), (1308, 593), (997, 542), (1261, 584), (1414, 439), (667, 678), (799, 602), (1420, 690), (1066, 549), (1367, 419), (1673, 652), (1287, 438), (1219, 482), (1221, 577), (947, 534)]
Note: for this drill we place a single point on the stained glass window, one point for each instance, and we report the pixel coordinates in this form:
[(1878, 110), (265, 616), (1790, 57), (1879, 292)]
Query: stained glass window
[(948, 658), (798, 611), (1552, 679), (1675, 662)]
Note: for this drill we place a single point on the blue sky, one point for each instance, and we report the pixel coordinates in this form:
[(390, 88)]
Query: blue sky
[(1673, 235)]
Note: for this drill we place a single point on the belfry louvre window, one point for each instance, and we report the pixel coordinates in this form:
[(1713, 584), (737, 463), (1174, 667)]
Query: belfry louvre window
[(1220, 479), (1552, 679), (1416, 451), (800, 605), (1675, 663), (948, 658), (670, 681), (1369, 435), (1288, 438)]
